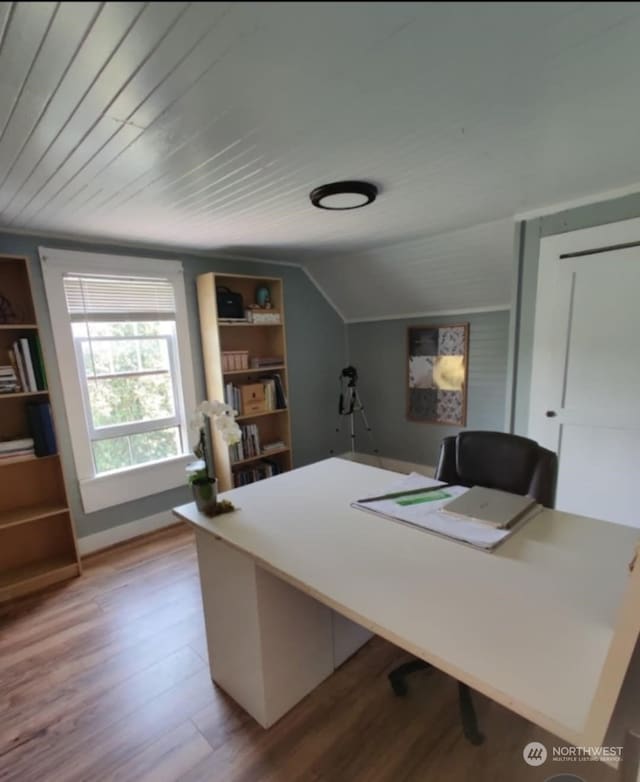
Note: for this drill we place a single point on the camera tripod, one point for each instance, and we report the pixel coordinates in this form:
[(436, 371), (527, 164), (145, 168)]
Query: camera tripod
[(350, 404)]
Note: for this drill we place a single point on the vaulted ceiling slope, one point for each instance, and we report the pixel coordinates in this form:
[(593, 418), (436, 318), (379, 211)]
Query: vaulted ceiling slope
[(206, 125), (458, 271)]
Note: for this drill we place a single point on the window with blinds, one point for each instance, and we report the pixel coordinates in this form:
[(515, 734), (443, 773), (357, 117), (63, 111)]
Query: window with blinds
[(124, 335)]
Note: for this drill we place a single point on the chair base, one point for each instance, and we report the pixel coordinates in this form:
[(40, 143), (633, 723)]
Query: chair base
[(397, 679)]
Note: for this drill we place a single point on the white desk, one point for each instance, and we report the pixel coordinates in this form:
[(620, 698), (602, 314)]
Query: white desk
[(546, 625)]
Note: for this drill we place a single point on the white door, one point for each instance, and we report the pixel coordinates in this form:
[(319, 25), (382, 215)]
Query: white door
[(585, 392)]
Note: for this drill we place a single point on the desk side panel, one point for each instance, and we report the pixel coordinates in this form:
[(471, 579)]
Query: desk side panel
[(230, 601), (348, 637), (297, 643)]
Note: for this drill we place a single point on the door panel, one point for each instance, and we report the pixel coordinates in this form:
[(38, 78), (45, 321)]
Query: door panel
[(585, 392), (599, 472)]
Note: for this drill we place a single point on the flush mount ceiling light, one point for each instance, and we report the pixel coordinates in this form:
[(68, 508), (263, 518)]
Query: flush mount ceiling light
[(343, 195)]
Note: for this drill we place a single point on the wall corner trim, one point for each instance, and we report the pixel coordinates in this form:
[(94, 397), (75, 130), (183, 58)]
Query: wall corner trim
[(323, 293)]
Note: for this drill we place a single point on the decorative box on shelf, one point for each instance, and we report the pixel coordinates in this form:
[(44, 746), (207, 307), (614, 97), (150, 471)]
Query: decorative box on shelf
[(234, 359), (260, 316), (253, 398)]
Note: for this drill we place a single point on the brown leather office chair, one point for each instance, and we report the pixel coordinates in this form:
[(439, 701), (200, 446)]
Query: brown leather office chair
[(497, 461)]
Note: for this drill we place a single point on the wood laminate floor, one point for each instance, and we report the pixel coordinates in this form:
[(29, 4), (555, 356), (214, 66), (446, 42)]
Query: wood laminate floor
[(106, 678)]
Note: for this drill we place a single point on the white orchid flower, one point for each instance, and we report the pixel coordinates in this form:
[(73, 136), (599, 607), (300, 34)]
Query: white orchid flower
[(229, 429)]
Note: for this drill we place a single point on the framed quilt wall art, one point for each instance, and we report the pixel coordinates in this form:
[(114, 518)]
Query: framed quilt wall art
[(437, 368)]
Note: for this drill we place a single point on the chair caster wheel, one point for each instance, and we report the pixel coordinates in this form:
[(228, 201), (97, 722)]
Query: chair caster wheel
[(398, 686), (476, 739)]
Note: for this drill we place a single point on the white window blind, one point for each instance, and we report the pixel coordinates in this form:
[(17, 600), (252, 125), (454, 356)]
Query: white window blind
[(118, 298)]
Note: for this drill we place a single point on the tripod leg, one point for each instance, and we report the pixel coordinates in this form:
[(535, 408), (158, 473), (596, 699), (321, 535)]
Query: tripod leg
[(365, 421), (352, 431)]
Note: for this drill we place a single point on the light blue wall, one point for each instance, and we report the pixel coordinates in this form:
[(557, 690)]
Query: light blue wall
[(315, 348), (532, 231), (378, 350)]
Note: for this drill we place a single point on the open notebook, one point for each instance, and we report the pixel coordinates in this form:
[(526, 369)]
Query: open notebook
[(425, 510)]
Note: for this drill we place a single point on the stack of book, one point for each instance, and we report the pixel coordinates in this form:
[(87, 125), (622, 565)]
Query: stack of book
[(232, 397), (8, 381), (265, 362), (276, 445), (259, 472), (14, 450), (280, 396), (26, 358), (249, 445)]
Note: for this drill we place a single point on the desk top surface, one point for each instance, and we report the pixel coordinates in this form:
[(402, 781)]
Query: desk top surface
[(530, 625)]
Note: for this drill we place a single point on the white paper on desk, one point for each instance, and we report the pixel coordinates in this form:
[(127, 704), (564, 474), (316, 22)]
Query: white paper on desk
[(428, 516)]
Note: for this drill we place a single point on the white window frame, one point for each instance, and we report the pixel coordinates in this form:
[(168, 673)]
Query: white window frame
[(130, 483)]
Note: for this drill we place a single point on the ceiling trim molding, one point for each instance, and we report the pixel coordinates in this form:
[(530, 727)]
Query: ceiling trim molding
[(431, 314), (210, 255), (561, 206), (135, 244)]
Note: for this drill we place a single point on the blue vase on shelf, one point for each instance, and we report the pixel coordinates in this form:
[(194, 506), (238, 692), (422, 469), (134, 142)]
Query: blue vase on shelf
[(263, 296)]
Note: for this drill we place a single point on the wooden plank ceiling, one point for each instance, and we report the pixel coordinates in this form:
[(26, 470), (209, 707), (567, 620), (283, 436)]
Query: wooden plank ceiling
[(206, 125)]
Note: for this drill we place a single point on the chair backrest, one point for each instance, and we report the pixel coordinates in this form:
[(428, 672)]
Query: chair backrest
[(499, 461)]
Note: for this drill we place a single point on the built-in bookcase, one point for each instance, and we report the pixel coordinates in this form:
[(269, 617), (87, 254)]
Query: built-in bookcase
[(37, 537), (259, 340)]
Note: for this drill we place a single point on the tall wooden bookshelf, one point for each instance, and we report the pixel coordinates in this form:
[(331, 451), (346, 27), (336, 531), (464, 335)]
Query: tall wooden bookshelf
[(37, 537), (260, 340)]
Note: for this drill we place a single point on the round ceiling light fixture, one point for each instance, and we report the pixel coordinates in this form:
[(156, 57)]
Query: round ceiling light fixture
[(343, 195)]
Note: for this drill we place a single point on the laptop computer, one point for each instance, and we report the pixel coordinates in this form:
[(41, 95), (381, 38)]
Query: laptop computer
[(491, 506)]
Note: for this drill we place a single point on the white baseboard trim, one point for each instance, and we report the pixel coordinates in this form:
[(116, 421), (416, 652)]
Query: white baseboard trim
[(397, 465), (109, 537)]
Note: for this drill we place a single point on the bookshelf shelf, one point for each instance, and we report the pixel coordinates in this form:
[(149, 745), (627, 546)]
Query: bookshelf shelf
[(266, 455), (259, 340), (21, 394), (21, 459), (254, 371), (30, 513), (224, 324), (260, 415), (37, 575), (37, 537)]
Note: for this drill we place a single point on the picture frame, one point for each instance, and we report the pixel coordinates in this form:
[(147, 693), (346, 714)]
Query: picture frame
[(437, 373)]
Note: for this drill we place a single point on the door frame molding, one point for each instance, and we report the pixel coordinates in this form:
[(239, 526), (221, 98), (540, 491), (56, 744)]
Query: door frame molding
[(551, 248)]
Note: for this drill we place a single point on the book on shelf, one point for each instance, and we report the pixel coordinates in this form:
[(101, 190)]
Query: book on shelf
[(258, 472), (280, 396), (264, 362), (28, 363), (244, 399), (41, 426), (26, 355), (232, 397), (277, 445), (11, 450), (260, 316), (9, 383), (17, 357), (249, 445)]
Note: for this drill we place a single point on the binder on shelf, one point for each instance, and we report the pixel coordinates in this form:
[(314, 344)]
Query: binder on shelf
[(35, 352), (41, 426)]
